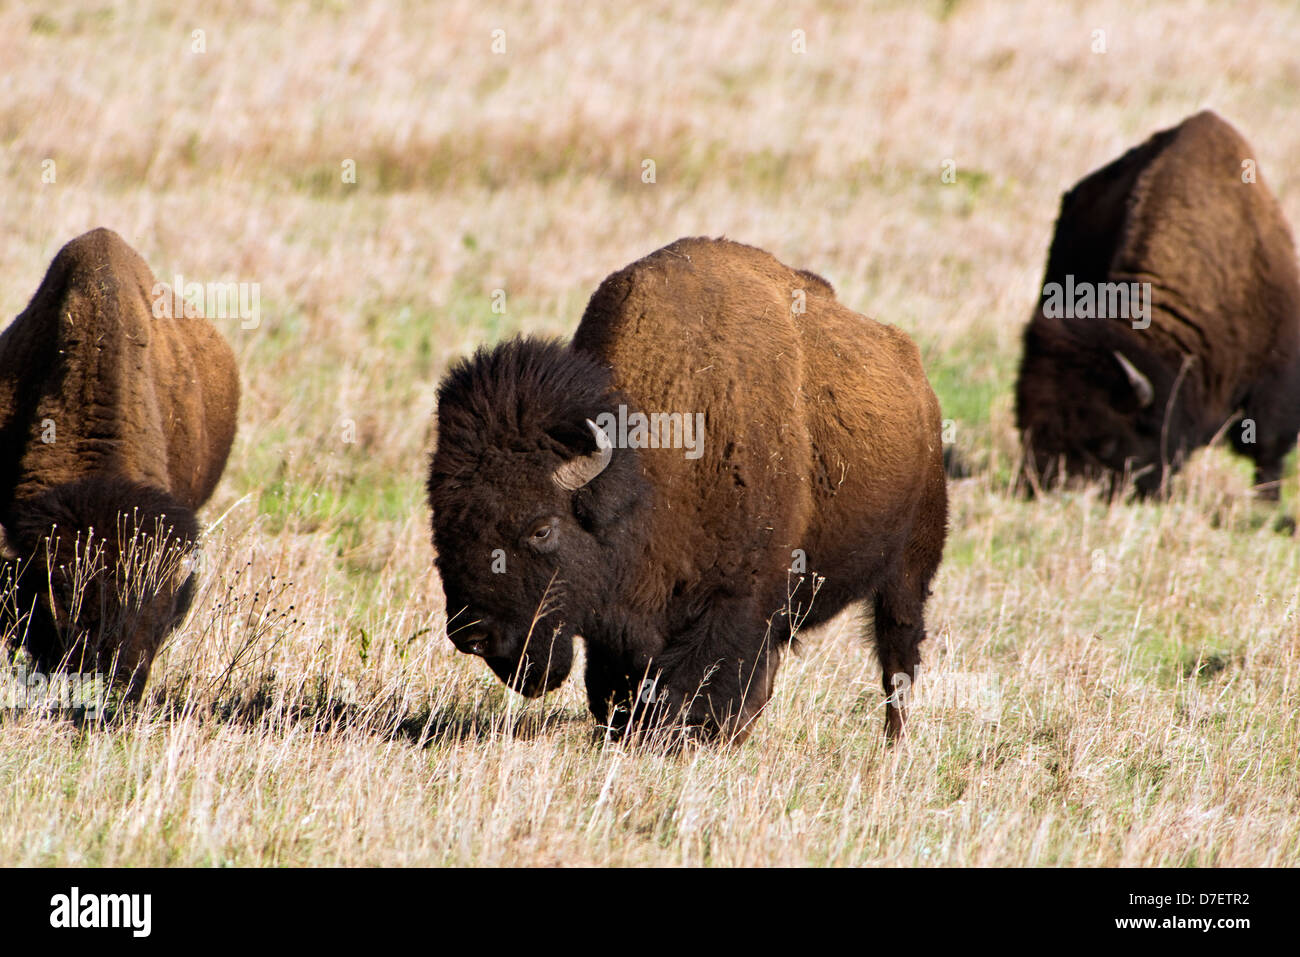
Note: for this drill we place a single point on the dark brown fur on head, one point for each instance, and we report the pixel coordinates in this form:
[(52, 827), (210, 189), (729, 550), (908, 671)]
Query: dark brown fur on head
[(99, 576), (507, 419), (1082, 418)]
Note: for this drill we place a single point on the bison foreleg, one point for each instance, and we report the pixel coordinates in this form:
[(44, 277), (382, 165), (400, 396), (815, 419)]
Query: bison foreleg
[(710, 680), (716, 679)]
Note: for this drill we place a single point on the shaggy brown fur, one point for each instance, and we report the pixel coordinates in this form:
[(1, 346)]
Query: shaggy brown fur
[(115, 421), (1224, 335), (822, 439)]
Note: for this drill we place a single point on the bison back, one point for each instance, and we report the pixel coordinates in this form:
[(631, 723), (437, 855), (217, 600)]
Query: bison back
[(148, 398), (822, 435)]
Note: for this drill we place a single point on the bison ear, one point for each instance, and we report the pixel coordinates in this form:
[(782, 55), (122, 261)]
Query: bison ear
[(1140, 383)]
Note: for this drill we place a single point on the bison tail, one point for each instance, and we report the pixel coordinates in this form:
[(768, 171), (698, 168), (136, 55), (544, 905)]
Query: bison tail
[(955, 465)]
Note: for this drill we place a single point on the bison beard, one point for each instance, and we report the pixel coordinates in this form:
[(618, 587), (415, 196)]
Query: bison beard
[(1113, 399), (686, 579)]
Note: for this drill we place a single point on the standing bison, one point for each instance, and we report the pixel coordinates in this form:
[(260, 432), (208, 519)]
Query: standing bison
[(1170, 308), (722, 455), (114, 426)]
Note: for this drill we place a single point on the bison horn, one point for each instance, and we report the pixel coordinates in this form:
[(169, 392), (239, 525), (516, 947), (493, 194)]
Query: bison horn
[(1141, 384), (576, 473)]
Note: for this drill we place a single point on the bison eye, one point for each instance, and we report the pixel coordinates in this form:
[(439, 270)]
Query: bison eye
[(544, 535)]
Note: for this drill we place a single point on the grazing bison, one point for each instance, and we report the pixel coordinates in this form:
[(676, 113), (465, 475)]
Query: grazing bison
[(807, 474), (114, 426), (1170, 307)]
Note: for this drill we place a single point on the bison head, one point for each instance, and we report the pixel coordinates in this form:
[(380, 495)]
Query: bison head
[(100, 574), (535, 514), (1092, 407)]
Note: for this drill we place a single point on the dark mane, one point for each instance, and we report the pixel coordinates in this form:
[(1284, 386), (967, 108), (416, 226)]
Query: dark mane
[(521, 395)]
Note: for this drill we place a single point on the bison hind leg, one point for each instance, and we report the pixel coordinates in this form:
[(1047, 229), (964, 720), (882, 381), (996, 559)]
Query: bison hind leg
[(898, 620), (899, 624), (1268, 457)]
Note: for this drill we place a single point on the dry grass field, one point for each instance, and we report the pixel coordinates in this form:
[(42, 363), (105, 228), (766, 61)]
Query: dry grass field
[(1103, 685)]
